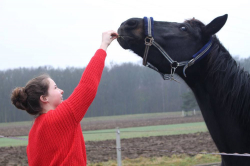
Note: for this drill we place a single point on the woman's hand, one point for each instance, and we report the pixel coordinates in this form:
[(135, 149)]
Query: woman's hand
[(107, 38)]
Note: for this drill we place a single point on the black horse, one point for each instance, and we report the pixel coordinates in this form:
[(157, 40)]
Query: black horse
[(221, 87)]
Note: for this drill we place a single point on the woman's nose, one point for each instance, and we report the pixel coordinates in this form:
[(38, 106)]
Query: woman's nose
[(62, 91)]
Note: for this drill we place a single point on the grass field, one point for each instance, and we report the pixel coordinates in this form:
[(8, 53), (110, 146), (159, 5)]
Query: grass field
[(6, 142), (180, 160), (147, 131)]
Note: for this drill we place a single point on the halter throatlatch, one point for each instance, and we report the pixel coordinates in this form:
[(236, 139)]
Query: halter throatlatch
[(149, 41)]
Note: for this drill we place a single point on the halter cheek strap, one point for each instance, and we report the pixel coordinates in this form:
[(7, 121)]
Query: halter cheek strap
[(149, 41)]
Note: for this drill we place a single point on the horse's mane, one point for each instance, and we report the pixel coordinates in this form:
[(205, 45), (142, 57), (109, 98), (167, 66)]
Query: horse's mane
[(231, 83)]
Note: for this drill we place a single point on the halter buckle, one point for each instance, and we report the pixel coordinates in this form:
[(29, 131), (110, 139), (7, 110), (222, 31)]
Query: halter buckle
[(174, 66), (149, 41), (191, 62)]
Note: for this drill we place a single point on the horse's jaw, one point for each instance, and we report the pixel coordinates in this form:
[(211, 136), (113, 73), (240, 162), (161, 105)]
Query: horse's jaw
[(123, 43)]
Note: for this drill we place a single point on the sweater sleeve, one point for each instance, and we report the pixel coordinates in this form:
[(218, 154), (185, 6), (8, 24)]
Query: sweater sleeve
[(85, 92), (74, 108)]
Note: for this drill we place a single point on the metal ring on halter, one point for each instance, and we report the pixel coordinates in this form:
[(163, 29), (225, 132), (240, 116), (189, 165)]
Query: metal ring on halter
[(174, 64), (150, 42)]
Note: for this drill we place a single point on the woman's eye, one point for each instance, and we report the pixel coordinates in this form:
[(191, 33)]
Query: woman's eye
[(183, 28)]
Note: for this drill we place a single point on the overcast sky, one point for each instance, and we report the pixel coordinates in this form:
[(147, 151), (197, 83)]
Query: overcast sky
[(65, 33)]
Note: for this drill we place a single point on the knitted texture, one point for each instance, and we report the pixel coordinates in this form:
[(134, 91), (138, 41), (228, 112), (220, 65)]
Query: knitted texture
[(56, 137)]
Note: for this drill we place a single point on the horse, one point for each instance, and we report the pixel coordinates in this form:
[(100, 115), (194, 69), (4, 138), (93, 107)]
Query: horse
[(221, 87)]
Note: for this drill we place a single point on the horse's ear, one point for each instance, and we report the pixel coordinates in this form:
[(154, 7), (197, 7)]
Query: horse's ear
[(214, 26)]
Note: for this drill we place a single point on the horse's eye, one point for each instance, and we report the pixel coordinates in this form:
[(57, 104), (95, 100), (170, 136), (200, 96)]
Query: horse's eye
[(183, 28)]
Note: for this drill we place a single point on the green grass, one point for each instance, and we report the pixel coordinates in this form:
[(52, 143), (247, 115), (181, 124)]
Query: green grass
[(6, 142), (175, 160), (147, 131)]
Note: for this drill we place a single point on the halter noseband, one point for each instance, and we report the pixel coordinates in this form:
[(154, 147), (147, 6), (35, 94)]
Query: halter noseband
[(149, 41)]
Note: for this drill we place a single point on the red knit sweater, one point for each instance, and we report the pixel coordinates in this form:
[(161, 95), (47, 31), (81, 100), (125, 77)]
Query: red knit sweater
[(56, 137)]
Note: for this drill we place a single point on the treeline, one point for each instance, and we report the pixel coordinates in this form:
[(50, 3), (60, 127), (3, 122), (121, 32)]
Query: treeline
[(124, 89)]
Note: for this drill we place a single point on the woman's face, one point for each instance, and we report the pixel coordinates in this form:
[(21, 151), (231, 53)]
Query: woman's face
[(55, 95)]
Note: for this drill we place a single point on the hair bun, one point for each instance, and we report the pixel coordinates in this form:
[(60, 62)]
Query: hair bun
[(19, 98)]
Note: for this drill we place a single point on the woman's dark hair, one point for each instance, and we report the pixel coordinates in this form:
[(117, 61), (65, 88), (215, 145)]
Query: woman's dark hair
[(28, 97)]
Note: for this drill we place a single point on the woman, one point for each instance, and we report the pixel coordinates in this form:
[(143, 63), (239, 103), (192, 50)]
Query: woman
[(56, 136)]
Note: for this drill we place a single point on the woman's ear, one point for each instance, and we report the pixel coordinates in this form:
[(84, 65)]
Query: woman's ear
[(214, 26), (43, 99)]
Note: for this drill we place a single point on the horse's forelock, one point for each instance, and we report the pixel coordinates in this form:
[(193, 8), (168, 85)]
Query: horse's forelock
[(194, 22)]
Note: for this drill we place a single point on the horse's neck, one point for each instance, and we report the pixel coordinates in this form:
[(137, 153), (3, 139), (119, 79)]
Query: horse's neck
[(225, 129), (210, 113)]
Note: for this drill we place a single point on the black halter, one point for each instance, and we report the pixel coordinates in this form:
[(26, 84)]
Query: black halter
[(149, 41)]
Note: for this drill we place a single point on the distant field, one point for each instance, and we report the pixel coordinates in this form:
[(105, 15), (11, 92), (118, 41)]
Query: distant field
[(134, 116), (146, 131), (107, 118), (13, 124)]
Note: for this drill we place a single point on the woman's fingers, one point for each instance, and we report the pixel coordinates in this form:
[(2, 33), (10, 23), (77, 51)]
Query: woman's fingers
[(114, 35), (108, 37)]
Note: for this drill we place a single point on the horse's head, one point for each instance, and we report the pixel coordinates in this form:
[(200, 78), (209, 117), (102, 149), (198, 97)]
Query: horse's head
[(180, 40)]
